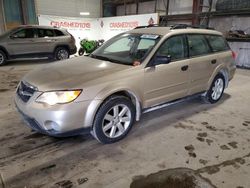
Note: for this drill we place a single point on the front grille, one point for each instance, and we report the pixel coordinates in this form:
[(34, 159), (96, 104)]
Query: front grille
[(25, 91)]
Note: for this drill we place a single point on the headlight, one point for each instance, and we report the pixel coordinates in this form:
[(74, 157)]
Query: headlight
[(58, 97)]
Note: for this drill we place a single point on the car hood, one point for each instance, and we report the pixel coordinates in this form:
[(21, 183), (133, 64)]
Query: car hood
[(71, 74)]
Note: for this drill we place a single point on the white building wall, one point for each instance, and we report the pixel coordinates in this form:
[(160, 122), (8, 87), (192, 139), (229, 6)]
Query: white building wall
[(70, 8)]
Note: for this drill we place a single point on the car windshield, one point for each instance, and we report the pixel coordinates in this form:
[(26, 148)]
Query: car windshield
[(126, 48)]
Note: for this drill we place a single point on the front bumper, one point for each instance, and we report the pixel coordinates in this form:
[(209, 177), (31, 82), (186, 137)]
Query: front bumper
[(58, 120)]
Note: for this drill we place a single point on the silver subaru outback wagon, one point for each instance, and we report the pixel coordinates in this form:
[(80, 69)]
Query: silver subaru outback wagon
[(131, 74)]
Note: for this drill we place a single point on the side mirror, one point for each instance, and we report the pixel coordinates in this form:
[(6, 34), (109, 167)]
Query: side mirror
[(161, 59)]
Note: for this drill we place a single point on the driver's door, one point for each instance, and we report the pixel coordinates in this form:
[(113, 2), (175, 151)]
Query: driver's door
[(167, 81), (22, 42)]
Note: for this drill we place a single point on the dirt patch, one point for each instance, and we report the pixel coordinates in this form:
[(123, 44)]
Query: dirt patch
[(64, 184), (3, 90), (224, 147), (233, 144), (204, 123), (35, 135), (216, 168), (209, 142), (48, 167), (81, 181), (190, 149), (246, 123), (202, 161), (172, 178), (202, 134), (200, 139), (211, 128)]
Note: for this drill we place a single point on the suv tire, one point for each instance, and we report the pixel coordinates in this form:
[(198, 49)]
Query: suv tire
[(216, 89), (61, 53), (2, 58), (113, 120)]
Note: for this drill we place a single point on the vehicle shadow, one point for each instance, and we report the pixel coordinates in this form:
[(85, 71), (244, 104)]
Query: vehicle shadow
[(155, 120)]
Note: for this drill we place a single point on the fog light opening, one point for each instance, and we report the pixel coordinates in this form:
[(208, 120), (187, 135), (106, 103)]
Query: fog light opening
[(51, 125)]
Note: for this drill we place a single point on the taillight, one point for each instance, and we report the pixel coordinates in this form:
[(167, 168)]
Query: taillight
[(234, 55)]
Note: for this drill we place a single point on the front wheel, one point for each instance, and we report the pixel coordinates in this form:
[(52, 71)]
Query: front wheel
[(81, 52), (2, 58), (216, 90), (114, 120), (61, 53)]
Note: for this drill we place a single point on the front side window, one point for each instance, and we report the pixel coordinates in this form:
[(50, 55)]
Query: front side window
[(24, 33), (173, 47), (126, 48), (197, 45), (218, 43)]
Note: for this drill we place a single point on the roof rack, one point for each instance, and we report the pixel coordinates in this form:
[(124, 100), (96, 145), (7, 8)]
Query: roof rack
[(147, 26), (185, 26), (177, 26)]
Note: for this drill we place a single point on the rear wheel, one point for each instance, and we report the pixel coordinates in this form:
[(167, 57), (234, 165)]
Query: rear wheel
[(216, 90), (114, 120), (61, 53), (2, 58)]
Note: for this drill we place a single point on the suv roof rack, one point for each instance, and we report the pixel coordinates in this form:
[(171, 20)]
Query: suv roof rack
[(147, 26), (185, 26), (177, 26)]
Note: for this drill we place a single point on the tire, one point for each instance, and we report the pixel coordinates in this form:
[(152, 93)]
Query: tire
[(81, 52), (216, 89), (61, 53), (113, 120), (3, 58)]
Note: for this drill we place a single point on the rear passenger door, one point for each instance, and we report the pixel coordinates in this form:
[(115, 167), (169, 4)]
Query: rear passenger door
[(45, 40), (202, 63)]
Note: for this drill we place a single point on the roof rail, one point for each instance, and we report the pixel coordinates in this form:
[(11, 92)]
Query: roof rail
[(177, 26), (147, 26), (185, 26)]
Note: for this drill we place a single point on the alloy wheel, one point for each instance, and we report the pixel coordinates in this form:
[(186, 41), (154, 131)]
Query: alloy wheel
[(116, 121), (63, 54), (1, 58), (217, 90)]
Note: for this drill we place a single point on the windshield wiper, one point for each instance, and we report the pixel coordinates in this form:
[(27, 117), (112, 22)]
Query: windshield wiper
[(100, 57), (106, 59)]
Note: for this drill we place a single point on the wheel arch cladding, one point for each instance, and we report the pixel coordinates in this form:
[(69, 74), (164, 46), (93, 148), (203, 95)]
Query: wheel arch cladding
[(129, 94), (4, 51), (225, 74)]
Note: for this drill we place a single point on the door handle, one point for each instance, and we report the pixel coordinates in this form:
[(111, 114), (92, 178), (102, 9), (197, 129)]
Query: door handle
[(214, 61), (184, 68)]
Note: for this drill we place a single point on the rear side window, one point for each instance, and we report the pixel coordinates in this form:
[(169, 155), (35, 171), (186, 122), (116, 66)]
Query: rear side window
[(45, 33), (198, 45), (218, 43), (58, 33)]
